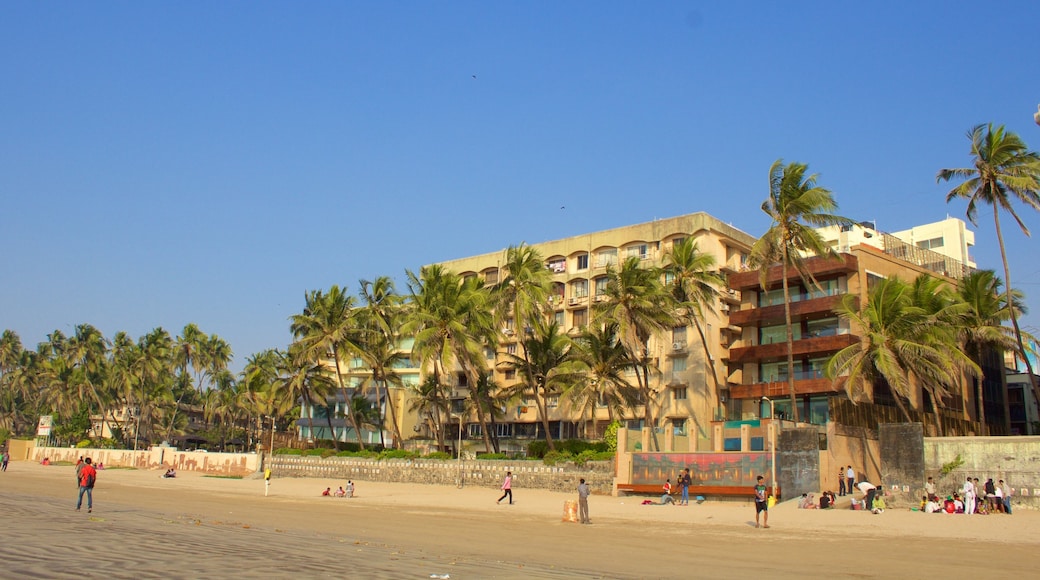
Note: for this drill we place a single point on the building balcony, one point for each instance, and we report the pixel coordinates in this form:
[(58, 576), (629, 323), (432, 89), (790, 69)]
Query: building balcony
[(800, 348), (806, 383), (577, 301), (818, 267), (772, 315)]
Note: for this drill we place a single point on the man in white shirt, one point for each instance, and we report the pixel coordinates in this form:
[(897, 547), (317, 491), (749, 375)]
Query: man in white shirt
[(850, 475), (1005, 492), (969, 497), (929, 488)]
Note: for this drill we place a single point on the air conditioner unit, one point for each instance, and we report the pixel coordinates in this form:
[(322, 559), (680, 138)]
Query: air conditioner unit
[(731, 292), (725, 309), (678, 345), (508, 332), (572, 301), (600, 298)]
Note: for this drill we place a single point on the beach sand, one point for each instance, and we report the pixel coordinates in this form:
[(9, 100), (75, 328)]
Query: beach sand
[(144, 526)]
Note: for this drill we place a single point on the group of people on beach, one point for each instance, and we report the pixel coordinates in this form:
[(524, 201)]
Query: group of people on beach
[(341, 492), (970, 498)]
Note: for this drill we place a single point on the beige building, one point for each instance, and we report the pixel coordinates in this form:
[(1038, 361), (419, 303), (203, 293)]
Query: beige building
[(685, 401)]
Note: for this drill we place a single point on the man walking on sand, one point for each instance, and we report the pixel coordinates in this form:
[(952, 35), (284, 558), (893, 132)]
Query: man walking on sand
[(583, 502), (507, 488), (87, 477), (761, 503)]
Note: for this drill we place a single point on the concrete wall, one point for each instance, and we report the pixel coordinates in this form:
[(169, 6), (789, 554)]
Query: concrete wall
[(798, 462), (157, 458), (483, 473), (849, 446), (1016, 460), (902, 463)]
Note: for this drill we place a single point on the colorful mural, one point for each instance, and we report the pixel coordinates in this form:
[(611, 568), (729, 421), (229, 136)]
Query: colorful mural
[(713, 469)]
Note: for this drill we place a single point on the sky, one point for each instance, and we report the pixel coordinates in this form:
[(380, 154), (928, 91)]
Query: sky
[(165, 163)]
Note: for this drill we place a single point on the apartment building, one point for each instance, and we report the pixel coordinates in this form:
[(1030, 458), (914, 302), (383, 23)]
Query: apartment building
[(686, 403)]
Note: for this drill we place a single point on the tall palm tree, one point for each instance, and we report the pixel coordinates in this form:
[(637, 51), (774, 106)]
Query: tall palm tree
[(328, 328), (451, 320), (639, 304), (430, 402), (1003, 170), (607, 363), (382, 315), (548, 368), (694, 286), (796, 205), (981, 324), (302, 380)]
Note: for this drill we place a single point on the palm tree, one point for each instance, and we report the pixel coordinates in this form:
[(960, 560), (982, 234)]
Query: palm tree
[(451, 321), (981, 325), (304, 381), (548, 367), (639, 304), (796, 205), (328, 328), (381, 319), (901, 342), (694, 286), (429, 400), (1003, 170), (607, 362)]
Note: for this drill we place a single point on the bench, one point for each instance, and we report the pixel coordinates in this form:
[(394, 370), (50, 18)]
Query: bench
[(705, 490)]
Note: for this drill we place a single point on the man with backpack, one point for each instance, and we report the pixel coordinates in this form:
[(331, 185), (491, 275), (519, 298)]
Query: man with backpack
[(87, 477)]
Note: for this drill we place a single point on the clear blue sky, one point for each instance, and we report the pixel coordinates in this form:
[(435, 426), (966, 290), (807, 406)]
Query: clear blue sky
[(171, 162)]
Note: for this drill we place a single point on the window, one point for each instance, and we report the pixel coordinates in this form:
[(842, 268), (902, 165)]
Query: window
[(606, 258), (581, 318), (491, 277), (822, 327), (583, 261), (679, 394), (511, 348), (510, 375), (931, 244), (580, 288), (679, 427), (679, 335), (601, 285), (558, 265), (872, 280), (559, 318), (676, 242), (641, 251), (778, 334), (552, 401)]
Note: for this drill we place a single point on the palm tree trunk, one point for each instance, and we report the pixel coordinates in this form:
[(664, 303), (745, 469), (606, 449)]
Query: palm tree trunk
[(790, 341), (648, 411), (1011, 309), (711, 365), (980, 409), (393, 415), (346, 401), (935, 409), (543, 412)]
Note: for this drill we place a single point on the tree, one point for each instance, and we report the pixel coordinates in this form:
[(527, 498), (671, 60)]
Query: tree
[(607, 362), (328, 328), (451, 320), (548, 367), (638, 303), (381, 319), (796, 205), (1003, 170), (694, 286), (303, 380)]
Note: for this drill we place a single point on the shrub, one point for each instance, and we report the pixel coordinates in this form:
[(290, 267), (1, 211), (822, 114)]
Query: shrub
[(557, 457), (84, 444), (318, 452), (288, 451), (439, 455), (610, 436), (397, 454), (537, 449), (493, 456)]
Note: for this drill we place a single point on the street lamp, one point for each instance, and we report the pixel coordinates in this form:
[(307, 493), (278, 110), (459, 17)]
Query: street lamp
[(772, 443)]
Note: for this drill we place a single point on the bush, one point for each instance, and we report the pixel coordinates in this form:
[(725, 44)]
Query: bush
[(493, 456), (538, 449), (288, 451), (439, 455), (397, 454), (318, 452), (610, 436), (84, 444), (557, 457)]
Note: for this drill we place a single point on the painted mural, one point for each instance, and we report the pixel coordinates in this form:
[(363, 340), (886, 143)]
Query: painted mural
[(713, 469)]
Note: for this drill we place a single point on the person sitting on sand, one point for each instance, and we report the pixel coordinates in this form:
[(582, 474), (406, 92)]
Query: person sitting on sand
[(958, 504), (949, 506), (932, 506), (807, 502), (170, 473), (327, 492), (878, 506), (667, 497), (827, 500), (341, 492)]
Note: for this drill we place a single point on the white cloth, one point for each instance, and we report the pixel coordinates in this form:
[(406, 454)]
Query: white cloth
[(865, 486)]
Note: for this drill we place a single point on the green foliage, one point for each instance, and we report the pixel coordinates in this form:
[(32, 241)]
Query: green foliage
[(107, 444), (557, 457), (570, 447), (537, 449), (319, 452), (439, 455), (610, 436), (493, 456), (365, 453), (947, 468), (84, 444), (397, 454), (288, 451)]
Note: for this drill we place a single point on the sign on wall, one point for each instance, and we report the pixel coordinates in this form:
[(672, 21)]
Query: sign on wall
[(43, 428)]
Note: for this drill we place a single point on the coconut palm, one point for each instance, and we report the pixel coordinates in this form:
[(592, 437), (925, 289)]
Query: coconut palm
[(694, 286), (981, 326), (430, 402), (639, 304), (1003, 170), (606, 361), (328, 328), (302, 380), (381, 318), (451, 320), (548, 368), (796, 205)]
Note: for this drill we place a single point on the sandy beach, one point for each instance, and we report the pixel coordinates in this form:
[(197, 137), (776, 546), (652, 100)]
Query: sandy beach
[(144, 526)]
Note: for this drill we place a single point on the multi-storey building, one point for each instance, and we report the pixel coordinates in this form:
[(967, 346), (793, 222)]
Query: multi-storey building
[(685, 401)]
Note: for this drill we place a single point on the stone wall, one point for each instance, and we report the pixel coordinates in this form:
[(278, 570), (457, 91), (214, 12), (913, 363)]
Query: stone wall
[(1016, 460), (484, 473), (902, 463), (240, 464), (798, 462)]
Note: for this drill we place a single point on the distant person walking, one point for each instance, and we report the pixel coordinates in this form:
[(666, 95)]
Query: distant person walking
[(761, 503), (507, 488), (841, 480), (87, 477), (267, 481), (4, 458), (684, 484), (583, 502)]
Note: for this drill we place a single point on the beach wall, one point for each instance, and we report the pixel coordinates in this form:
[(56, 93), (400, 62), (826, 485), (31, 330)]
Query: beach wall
[(235, 464), (475, 472), (1016, 460)]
